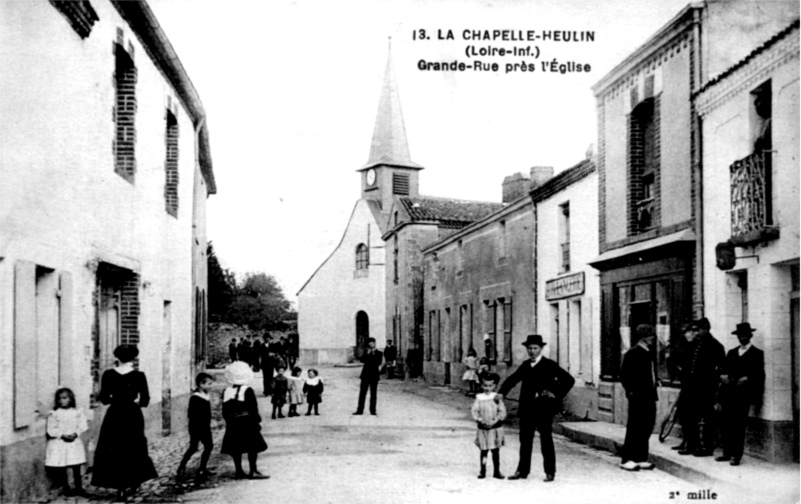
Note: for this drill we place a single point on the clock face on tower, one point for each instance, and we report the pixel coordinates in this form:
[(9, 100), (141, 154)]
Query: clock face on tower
[(370, 176)]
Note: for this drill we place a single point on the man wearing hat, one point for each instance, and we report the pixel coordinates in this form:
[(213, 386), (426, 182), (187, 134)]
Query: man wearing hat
[(544, 385), (702, 360), (742, 380), (638, 376)]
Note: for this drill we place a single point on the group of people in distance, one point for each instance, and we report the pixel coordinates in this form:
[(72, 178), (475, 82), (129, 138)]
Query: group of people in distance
[(712, 381), (267, 353)]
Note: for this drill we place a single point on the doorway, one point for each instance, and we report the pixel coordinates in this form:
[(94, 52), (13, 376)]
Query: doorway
[(362, 333), (794, 331)]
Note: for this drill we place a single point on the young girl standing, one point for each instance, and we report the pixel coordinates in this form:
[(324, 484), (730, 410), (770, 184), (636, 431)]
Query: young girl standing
[(313, 388), (471, 375), (295, 385), (64, 448), (280, 388), (489, 412), (242, 420)]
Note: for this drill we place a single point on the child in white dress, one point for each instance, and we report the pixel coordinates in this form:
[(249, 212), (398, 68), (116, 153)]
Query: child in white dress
[(64, 446), (471, 373), (489, 412)]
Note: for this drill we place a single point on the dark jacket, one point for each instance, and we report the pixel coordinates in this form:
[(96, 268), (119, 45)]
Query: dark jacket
[(545, 376), (391, 353), (750, 365), (701, 364), (637, 374), (372, 365), (199, 416)]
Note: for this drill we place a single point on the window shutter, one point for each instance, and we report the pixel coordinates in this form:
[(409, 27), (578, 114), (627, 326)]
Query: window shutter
[(400, 184), (24, 343)]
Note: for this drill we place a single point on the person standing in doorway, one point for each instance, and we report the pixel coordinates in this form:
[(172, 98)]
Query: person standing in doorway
[(742, 380), (372, 360), (638, 376), (543, 387)]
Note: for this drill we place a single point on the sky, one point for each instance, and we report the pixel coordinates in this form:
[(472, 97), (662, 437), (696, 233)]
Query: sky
[(291, 91)]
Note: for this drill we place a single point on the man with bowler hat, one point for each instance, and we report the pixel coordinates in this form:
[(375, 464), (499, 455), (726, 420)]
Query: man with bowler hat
[(638, 376), (372, 360), (544, 385), (742, 380)]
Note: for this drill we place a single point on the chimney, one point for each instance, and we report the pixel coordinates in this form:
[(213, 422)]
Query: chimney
[(540, 175), (515, 186)]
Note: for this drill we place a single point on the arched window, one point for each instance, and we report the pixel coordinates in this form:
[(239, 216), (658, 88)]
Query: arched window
[(362, 257)]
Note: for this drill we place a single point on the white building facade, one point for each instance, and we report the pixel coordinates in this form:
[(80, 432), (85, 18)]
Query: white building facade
[(106, 170), (750, 117), (342, 304)]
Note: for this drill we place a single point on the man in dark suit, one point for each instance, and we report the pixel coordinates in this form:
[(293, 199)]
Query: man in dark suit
[(700, 375), (544, 385), (743, 378), (372, 360), (638, 376)]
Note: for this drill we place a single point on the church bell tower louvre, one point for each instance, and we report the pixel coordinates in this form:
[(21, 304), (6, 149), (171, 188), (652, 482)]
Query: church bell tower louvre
[(389, 170)]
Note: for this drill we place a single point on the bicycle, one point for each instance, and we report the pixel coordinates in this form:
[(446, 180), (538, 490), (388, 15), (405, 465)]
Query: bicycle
[(669, 422)]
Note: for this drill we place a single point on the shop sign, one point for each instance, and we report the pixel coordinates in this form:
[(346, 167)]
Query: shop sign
[(566, 286)]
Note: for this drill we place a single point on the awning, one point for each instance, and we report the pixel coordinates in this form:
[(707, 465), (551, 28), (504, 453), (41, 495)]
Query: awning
[(684, 236)]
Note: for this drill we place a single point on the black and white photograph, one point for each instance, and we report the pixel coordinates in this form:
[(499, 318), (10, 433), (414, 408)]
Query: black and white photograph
[(413, 251)]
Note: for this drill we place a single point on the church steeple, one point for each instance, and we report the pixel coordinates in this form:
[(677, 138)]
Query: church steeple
[(389, 145), (389, 171)]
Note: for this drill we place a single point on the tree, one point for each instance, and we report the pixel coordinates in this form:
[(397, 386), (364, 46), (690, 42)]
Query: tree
[(222, 288), (260, 303)]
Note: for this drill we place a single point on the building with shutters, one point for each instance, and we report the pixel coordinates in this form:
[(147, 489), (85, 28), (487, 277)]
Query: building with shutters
[(106, 170)]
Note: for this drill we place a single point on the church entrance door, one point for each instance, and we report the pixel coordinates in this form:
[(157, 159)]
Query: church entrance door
[(362, 333)]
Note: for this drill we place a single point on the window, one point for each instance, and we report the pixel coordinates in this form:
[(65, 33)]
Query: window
[(564, 237), (643, 165), (459, 258), (125, 78), (395, 260), (490, 331), (42, 300), (430, 335), (79, 13), (507, 331), (465, 329), (501, 241), (171, 165), (362, 257), (400, 184), (761, 115)]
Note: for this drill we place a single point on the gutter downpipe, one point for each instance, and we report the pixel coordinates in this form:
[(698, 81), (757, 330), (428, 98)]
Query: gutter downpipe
[(698, 308)]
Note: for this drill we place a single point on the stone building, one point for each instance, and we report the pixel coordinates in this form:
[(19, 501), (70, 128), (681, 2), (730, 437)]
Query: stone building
[(650, 189), (416, 222), (566, 289), (750, 134), (478, 281), (106, 170)]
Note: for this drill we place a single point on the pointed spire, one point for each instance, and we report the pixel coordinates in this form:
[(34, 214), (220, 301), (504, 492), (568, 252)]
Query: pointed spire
[(389, 145)]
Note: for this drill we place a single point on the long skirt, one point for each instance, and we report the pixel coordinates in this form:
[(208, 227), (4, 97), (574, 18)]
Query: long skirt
[(121, 459)]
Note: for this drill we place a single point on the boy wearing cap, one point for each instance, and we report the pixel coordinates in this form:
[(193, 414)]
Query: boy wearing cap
[(742, 380), (544, 385)]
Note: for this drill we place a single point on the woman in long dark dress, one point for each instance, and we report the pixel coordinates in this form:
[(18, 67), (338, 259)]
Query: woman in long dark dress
[(121, 458)]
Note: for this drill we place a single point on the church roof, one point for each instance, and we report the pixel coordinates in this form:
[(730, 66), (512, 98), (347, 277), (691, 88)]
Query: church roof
[(389, 145), (447, 213)]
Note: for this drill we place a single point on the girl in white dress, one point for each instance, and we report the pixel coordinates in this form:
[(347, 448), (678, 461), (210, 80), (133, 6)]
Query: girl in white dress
[(489, 412), (64, 446)]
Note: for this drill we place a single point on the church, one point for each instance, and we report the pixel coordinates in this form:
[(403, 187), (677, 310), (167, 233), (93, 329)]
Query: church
[(346, 300)]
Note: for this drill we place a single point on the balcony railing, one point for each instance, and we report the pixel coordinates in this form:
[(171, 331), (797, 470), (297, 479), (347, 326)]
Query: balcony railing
[(751, 200)]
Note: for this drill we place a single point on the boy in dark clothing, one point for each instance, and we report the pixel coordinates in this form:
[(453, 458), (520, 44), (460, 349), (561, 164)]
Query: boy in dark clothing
[(199, 425), (280, 388)]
